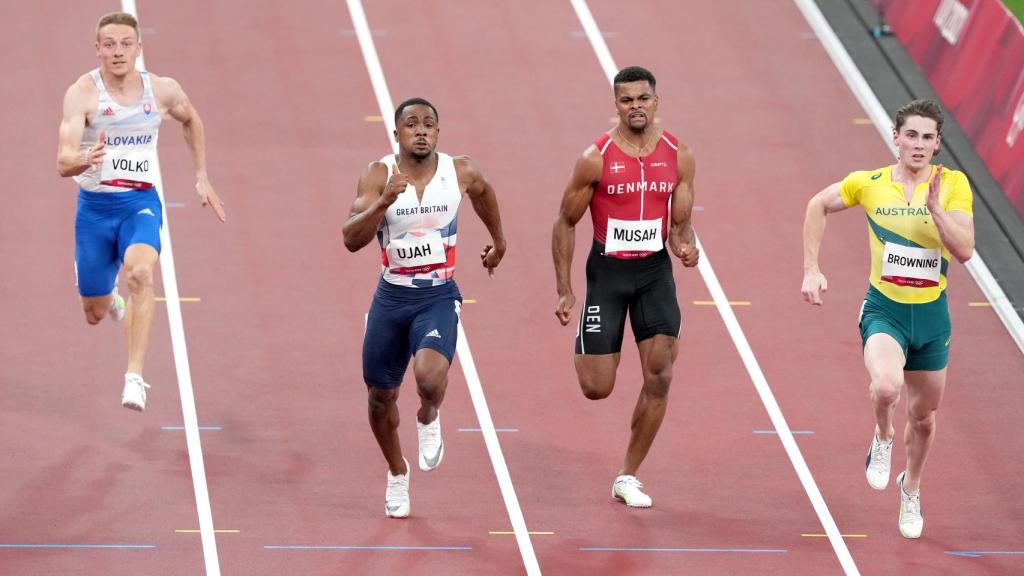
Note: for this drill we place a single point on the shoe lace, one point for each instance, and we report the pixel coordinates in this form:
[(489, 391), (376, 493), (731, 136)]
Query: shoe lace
[(881, 453), (398, 488), (912, 505), (631, 482), (430, 435)]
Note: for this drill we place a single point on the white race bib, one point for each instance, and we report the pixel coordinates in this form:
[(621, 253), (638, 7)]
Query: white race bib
[(415, 254), (130, 160), (910, 266), (630, 238)]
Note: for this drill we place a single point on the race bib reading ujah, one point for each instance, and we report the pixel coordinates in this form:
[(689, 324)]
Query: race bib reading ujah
[(416, 253), (632, 238), (910, 266), (130, 161)]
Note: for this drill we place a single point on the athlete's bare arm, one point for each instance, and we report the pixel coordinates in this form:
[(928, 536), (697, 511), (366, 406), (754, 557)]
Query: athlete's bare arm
[(956, 228), (575, 201), (79, 102), (485, 203), (375, 192), (818, 208), (681, 238), (174, 103)]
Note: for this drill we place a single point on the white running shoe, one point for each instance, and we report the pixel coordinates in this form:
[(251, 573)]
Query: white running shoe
[(396, 498), (431, 444), (134, 394), (116, 306), (878, 462), (627, 489), (911, 519)]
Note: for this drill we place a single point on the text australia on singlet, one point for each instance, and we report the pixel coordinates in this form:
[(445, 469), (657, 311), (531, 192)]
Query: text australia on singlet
[(909, 265)]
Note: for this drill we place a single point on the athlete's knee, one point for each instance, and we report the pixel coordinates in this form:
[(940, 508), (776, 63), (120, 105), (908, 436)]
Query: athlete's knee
[(885, 390), (94, 314), (656, 384), (380, 401), (596, 386), (139, 278), (923, 425)]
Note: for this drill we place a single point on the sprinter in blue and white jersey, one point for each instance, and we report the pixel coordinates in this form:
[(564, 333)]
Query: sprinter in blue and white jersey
[(107, 143)]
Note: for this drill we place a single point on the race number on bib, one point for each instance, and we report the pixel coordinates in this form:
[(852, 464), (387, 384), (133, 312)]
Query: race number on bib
[(633, 238), (910, 266), (416, 254), (130, 161)]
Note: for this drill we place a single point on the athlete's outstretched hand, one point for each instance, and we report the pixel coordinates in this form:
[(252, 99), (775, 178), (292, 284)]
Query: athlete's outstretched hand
[(689, 254), (396, 184), (94, 156), (934, 187), (564, 310), (208, 197), (491, 257), (814, 284)]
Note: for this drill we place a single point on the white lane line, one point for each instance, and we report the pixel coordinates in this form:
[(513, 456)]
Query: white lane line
[(869, 101), (476, 391), (739, 339), (188, 401)]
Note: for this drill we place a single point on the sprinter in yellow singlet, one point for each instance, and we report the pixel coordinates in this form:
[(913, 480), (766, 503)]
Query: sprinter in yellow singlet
[(919, 216)]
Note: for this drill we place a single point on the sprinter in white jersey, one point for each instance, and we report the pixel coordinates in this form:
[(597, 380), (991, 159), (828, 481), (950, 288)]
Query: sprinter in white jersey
[(107, 143), (409, 202)]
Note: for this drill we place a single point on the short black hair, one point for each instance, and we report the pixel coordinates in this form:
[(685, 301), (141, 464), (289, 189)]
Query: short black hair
[(634, 74), (414, 102)]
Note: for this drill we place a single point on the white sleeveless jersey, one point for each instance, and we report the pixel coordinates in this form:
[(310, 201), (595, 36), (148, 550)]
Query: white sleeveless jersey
[(131, 133), (417, 238)]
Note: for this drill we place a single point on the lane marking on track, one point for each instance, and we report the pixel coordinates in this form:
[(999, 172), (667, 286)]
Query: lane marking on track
[(695, 550), (979, 304), (794, 432), (863, 121), (826, 535), (188, 402), (468, 301), (375, 548), (511, 533), (175, 205), (980, 553), (730, 303), (196, 531), (200, 428), (476, 392), (869, 101), (373, 118), (180, 299), (604, 56), (496, 430)]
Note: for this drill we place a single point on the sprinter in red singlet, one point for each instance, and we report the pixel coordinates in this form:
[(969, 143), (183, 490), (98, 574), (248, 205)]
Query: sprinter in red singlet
[(628, 178)]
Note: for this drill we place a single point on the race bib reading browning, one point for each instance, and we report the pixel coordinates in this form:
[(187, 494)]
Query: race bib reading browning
[(910, 266), (632, 238), (416, 253)]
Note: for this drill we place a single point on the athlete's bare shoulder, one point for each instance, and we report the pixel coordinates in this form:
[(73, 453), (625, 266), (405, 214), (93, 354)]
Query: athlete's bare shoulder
[(83, 88)]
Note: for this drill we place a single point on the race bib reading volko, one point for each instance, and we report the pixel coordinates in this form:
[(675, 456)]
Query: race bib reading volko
[(910, 266), (632, 238), (416, 253), (130, 161)]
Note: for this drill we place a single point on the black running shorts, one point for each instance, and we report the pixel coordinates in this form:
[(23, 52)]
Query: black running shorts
[(643, 286)]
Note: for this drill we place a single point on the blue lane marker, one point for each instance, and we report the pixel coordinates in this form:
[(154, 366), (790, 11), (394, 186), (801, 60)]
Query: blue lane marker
[(146, 546), (980, 553), (417, 548), (496, 430), (739, 550), (199, 427), (794, 432)]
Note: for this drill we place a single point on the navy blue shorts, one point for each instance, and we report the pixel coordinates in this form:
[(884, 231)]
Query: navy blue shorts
[(108, 223), (401, 322)]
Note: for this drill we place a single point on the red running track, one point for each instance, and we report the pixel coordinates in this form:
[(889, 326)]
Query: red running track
[(274, 343)]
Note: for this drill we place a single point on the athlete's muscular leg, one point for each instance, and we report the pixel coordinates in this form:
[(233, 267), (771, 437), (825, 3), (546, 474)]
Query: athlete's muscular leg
[(96, 308), (384, 419), (657, 355), (596, 373), (924, 392), (139, 261), (883, 357), (431, 370)]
